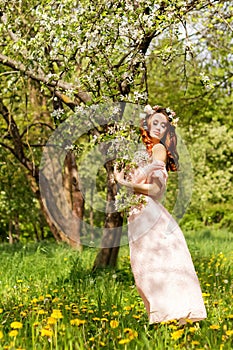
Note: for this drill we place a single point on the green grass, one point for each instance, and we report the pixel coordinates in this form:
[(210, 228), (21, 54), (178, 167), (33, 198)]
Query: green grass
[(49, 290)]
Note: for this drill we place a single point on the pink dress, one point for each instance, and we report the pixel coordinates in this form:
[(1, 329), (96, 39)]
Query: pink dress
[(161, 263)]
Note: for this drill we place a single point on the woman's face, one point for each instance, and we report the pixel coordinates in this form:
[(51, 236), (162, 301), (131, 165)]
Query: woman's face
[(158, 126)]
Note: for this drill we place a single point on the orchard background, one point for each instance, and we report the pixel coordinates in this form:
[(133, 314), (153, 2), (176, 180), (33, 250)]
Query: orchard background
[(58, 59)]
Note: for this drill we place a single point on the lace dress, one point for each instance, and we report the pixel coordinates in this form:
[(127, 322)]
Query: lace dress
[(161, 263)]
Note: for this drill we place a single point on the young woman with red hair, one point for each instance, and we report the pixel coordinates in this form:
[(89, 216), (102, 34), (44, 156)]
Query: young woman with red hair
[(161, 263)]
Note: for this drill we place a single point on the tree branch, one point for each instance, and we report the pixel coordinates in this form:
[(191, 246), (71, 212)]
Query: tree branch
[(34, 124), (17, 142), (16, 65)]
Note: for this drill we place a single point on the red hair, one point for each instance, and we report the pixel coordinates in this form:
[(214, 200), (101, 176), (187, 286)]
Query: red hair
[(169, 140)]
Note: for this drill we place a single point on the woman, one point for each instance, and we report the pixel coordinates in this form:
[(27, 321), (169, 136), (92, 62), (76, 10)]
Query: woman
[(161, 263)]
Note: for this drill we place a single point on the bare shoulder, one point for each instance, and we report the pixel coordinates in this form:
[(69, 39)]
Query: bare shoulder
[(159, 152)]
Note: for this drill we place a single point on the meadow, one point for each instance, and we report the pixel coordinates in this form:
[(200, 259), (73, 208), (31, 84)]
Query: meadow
[(51, 299)]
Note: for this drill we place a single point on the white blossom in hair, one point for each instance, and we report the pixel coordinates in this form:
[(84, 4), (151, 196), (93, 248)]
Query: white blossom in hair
[(148, 109), (174, 122)]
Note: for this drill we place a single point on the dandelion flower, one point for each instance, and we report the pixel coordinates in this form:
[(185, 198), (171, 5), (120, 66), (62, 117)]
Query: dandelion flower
[(51, 320), (56, 314), (195, 342), (131, 333), (13, 333), (77, 322), (95, 318), (16, 325), (46, 332), (192, 329), (124, 341), (177, 334), (41, 312), (127, 308), (229, 332), (1, 335), (214, 326), (114, 323)]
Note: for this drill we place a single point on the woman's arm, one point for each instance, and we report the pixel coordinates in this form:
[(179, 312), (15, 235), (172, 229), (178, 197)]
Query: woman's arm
[(147, 189), (158, 153)]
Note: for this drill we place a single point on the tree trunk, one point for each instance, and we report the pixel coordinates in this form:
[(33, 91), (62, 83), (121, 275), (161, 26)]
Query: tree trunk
[(73, 195), (107, 255), (11, 240)]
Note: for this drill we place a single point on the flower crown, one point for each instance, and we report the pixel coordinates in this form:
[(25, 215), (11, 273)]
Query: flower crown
[(151, 110)]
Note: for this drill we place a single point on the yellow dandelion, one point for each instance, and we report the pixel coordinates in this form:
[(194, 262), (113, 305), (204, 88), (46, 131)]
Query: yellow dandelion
[(188, 321), (131, 333), (214, 326), (90, 311), (114, 323), (172, 326), (107, 313), (51, 320), (1, 311), (84, 300), (192, 329), (55, 300), (41, 312), (101, 343), (229, 332), (16, 325), (13, 333), (23, 313), (75, 311), (1, 334), (137, 317), (127, 308), (195, 342), (45, 332), (124, 341), (41, 298), (95, 318), (35, 324), (205, 294), (177, 334), (77, 322), (115, 313), (34, 300), (230, 316), (92, 339), (57, 314), (104, 319)]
